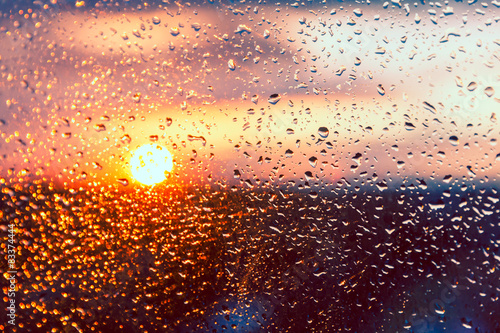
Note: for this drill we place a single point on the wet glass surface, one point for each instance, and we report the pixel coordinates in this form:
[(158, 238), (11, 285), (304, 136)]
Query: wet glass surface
[(209, 166)]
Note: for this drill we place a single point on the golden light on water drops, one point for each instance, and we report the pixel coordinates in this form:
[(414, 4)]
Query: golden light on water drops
[(149, 163)]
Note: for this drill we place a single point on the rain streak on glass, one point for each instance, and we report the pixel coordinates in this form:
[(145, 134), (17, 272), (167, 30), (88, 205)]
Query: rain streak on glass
[(250, 166)]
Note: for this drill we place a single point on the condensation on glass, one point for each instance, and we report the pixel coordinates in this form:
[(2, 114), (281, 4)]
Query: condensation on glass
[(207, 166)]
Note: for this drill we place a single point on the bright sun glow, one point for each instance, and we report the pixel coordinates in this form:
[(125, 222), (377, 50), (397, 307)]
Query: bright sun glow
[(149, 164)]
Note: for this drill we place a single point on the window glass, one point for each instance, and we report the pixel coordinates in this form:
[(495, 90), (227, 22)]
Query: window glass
[(250, 166)]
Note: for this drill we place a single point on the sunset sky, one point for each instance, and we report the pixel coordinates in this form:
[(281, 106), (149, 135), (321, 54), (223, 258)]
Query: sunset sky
[(81, 89)]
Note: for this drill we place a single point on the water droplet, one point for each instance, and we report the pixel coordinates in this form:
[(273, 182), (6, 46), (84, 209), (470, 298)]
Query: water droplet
[(97, 166), (126, 139), (274, 98), (231, 64), (489, 91), (197, 138), (66, 135), (429, 107), (288, 153), (255, 99), (153, 138), (243, 28), (237, 174), (323, 132), (99, 127), (493, 117), (137, 97), (196, 26), (358, 12), (472, 86), (156, 20), (381, 90), (174, 31), (123, 181), (267, 33), (453, 140), (169, 121), (290, 131), (313, 161), (409, 126)]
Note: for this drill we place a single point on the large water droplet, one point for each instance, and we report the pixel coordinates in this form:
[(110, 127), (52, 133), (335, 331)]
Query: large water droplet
[(231, 64), (323, 132), (274, 98), (453, 140)]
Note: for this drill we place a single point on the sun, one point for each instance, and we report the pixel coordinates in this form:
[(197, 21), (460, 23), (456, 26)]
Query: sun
[(149, 164)]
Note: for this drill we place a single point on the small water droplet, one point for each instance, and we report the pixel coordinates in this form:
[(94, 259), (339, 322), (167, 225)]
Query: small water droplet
[(137, 97), (288, 153), (290, 131), (156, 20), (126, 139), (243, 28), (453, 140), (97, 166), (313, 161), (197, 138), (489, 91), (174, 31), (323, 132), (429, 107), (381, 90), (274, 98), (99, 127), (255, 99), (472, 86), (231, 64), (409, 126), (123, 181), (358, 12), (196, 26)]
